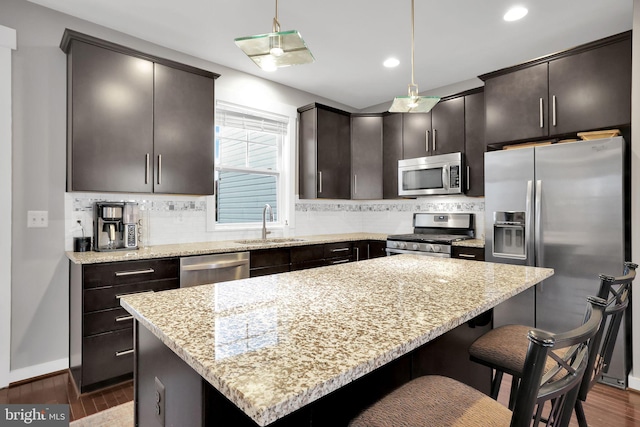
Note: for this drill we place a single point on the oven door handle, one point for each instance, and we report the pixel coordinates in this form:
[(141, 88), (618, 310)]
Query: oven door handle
[(404, 251)]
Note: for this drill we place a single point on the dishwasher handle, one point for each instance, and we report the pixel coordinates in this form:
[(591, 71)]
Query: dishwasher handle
[(214, 265)]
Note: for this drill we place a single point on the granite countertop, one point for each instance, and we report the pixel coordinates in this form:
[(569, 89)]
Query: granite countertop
[(221, 246), (274, 344), (471, 243)]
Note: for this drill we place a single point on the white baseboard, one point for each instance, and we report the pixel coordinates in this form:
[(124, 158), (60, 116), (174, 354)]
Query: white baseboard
[(634, 383), (37, 370)]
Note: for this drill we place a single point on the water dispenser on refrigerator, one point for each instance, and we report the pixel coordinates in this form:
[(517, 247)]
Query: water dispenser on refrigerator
[(509, 235)]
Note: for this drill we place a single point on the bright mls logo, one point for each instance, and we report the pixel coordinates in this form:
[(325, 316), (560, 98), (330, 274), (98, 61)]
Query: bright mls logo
[(34, 415)]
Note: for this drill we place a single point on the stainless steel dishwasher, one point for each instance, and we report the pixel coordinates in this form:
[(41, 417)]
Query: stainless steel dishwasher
[(204, 269)]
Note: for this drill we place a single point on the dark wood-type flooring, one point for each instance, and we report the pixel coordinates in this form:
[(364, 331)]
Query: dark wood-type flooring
[(58, 389), (605, 407)]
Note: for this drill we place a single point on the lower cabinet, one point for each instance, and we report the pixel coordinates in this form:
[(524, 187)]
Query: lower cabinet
[(269, 261), (368, 249), (100, 330), (476, 254)]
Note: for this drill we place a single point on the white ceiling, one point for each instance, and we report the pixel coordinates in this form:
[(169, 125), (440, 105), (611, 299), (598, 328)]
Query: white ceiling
[(456, 40)]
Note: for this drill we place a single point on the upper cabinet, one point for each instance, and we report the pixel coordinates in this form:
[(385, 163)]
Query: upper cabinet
[(136, 123), (474, 143), (366, 157), (447, 126), (324, 153), (582, 89), (391, 153), (416, 135)]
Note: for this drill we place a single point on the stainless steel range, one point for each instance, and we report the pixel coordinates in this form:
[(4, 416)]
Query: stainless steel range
[(433, 234)]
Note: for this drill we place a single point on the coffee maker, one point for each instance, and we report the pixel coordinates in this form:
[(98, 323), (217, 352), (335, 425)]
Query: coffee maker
[(115, 226)]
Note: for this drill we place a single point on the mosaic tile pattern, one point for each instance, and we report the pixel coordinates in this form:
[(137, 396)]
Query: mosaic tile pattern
[(276, 343), (418, 205)]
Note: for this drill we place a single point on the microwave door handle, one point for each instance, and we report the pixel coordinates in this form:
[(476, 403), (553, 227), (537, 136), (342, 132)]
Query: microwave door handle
[(445, 177)]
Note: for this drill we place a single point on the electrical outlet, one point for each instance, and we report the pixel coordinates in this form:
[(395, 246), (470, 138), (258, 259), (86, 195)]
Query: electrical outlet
[(159, 401), (37, 219)]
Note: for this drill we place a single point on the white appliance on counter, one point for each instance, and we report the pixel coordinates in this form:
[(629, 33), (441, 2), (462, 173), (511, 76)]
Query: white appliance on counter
[(560, 206)]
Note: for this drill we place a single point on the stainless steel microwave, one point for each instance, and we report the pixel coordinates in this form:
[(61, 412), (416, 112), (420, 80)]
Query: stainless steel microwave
[(426, 176)]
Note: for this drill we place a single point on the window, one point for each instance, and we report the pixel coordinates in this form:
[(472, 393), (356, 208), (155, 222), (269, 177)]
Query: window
[(248, 163)]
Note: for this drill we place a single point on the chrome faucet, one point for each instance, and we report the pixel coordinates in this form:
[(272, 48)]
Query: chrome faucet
[(267, 207)]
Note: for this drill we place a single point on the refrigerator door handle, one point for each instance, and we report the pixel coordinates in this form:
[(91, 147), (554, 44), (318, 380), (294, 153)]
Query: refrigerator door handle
[(528, 226), (538, 226)]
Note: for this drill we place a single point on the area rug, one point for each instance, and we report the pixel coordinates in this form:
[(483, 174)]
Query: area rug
[(118, 416)]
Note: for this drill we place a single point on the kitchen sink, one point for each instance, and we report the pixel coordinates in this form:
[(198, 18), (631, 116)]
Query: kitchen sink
[(268, 241)]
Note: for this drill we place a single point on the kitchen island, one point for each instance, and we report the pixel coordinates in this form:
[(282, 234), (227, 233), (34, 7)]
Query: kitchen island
[(280, 347)]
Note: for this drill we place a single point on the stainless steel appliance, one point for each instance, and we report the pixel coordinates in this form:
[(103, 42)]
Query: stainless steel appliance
[(432, 235), (560, 206), (205, 269), (425, 176), (115, 226)]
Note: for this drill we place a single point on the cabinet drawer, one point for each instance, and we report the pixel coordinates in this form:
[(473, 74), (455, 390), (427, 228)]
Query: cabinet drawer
[(476, 254), (300, 254), (308, 264), (339, 260), (337, 250), (107, 356), (121, 273), (109, 297), (275, 269), (106, 321), (269, 257)]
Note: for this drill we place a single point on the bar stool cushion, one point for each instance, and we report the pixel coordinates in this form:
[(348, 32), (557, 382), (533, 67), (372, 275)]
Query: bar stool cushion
[(504, 347), (434, 401)]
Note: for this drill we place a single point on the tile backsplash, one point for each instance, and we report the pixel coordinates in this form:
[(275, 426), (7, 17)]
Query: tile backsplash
[(183, 219)]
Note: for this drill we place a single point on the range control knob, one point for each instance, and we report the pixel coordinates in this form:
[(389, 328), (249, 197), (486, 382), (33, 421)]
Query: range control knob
[(436, 248), (415, 246), (402, 245)]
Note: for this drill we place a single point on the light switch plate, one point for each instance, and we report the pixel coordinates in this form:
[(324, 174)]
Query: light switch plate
[(37, 219)]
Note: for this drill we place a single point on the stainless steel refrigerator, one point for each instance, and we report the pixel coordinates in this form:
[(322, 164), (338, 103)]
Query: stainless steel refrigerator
[(560, 206)]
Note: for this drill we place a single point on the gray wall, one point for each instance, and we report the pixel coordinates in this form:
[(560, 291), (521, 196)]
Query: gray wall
[(39, 321)]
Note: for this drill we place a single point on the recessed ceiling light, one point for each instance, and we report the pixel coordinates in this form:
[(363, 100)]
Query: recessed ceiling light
[(515, 13), (391, 62)]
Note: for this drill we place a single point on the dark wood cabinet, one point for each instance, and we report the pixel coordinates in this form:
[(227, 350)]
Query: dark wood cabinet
[(369, 249), (581, 89), (416, 135), (591, 89), (100, 330), (324, 153), (474, 144), (136, 123), (476, 254), (366, 157), (308, 256), (391, 153), (338, 253), (110, 120), (447, 126), (269, 261), (183, 132)]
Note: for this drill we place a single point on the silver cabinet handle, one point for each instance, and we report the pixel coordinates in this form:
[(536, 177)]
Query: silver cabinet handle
[(133, 293), (466, 256), (123, 318), (320, 181), (159, 169), (434, 140), (554, 110), (426, 141), (340, 250), (342, 261), (146, 169), (468, 177), (134, 272), (124, 352), (357, 253), (541, 113), (355, 183), (213, 266)]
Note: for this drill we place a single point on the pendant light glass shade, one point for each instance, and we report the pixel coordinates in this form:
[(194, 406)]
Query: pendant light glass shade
[(413, 102), (276, 49)]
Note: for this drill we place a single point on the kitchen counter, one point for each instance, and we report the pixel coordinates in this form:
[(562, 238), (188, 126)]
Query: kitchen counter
[(221, 246), (471, 243), (315, 331)]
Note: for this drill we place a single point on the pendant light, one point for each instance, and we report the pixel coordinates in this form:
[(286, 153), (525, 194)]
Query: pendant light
[(413, 103), (276, 49)]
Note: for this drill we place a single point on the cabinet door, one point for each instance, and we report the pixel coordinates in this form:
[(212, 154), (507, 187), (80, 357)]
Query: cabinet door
[(391, 153), (416, 135), (111, 120), (447, 122), (307, 154), (334, 154), (183, 132), (366, 157), (513, 103), (592, 89), (474, 146)]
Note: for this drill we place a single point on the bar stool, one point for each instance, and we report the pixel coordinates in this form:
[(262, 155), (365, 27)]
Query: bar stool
[(439, 401), (503, 349)]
